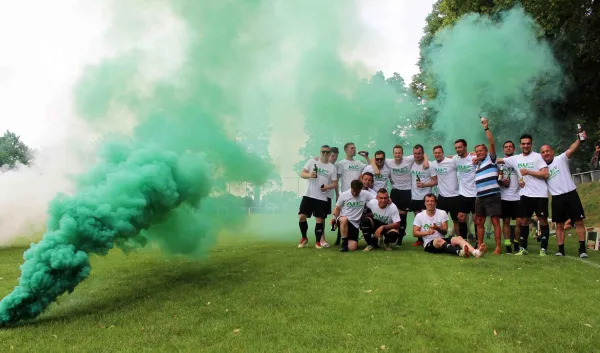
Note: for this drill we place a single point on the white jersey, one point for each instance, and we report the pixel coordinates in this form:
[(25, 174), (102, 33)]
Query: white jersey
[(425, 176), (326, 175), (348, 171), (387, 215), (372, 192), (379, 181), (466, 175), (353, 207), (447, 179), (510, 192), (534, 187), (559, 180), (400, 176), (424, 222)]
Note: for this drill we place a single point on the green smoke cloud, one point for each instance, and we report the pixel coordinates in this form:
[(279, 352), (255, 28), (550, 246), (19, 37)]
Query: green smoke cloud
[(496, 66)]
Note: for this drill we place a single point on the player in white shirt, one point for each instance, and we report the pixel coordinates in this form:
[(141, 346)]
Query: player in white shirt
[(422, 181), (566, 204), (379, 170), (401, 180), (321, 177), (448, 199), (382, 220), (432, 224), (533, 172), (466, 185), (348, 211), (367, 181), (333, 156), (349, 169), (509, 194)]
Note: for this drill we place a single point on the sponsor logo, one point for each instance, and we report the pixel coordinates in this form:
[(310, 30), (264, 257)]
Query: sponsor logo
[(464, 168), (381, 218), (553, 172), (442, 171), (355, 204), (527, 165), (404, 170), (353, 167)]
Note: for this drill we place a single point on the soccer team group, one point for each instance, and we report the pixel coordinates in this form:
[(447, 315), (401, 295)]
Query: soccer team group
[(477, 184)]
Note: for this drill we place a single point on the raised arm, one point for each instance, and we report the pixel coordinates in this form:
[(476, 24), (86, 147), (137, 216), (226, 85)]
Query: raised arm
[(489, 136), (574, 146)]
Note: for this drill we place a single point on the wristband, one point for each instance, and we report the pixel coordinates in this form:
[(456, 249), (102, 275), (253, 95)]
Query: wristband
[(486, 129)]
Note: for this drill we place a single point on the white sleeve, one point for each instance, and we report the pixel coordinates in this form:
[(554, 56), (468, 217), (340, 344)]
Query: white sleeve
[(333, 173), (362, 165), (508, 161), (445, 217), (410, 159), (310, 165), (340, 168), (341, 200), (432, 171), (540, 163), (368, 195), (395, 216), (417, 222)]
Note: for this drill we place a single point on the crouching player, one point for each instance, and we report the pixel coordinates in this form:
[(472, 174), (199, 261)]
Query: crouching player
[(432, 224), (381, 219), (348, 211)]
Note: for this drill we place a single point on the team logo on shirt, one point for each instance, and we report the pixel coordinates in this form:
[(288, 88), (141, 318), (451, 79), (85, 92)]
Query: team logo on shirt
[(553, 172), (416, 172), (380, 177), (404, 170), (527, 165), (354, 167), (322, 172), (380, 218), (464, 168), (355, 204), (442, 171)]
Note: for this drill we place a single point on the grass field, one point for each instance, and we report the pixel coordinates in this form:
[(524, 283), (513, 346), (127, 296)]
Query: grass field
[(263, 294)]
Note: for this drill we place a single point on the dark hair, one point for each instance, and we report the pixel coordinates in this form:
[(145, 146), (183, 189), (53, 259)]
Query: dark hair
[(369, 174), (461, 141), (430, 195), (379, 152), (348, 145), (335, 150), (325, 146), (382, 191), (509, 141), (356, 185), (438, 146), (397, 146), (525, 136), (417, 147)]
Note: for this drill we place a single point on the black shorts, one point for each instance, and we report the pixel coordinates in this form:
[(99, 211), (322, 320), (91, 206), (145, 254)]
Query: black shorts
[(432, 249), (450, 205), (488, 206), (352, 232), (329, 205), (310, 207), (511, 209), (466, 204), (417, 205), (402, 199), (567, 206), (389, 236), (531, 205)]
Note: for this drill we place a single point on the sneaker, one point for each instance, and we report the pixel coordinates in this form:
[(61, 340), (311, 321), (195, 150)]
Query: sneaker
[(522, 252), (543, 252), (318, 245), (417, 243), (583, 255), (325, 244), (388, 247), (342, 249), (303, 242), (368, 248), (559, 254)]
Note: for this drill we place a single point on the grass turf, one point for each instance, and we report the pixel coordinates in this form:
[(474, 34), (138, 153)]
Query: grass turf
[(285, 299)]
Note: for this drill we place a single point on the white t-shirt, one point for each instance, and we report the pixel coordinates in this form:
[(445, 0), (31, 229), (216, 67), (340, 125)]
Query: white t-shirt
[(534, 187), (373, 192), (466, 175), (326, 175), (424, 222), (353, 207), (425, 176), (379, 181), (387, 215), (510, 192), (447, 178), (559, 181), (348, 171), (400, 173)]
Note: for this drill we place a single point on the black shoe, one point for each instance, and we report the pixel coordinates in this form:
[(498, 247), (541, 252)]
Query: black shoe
[(344, 250)]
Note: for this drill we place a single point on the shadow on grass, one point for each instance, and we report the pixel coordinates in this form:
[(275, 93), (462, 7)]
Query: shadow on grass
[(166, 279)]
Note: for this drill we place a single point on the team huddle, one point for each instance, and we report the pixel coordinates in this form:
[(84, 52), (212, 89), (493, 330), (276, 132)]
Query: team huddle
[(475, 184)]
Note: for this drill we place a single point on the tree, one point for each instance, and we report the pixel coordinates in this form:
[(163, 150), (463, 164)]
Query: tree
[(13, 151)]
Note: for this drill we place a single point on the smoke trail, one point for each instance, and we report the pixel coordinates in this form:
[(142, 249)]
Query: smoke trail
[(497, 66)]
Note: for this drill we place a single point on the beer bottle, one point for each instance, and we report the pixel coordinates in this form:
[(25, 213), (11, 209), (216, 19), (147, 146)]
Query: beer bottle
[(418, 179), (333, 226), (316, 171), (580, 133)]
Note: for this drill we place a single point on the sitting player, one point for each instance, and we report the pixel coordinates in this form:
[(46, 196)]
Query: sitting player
[(432, 224), (348, 211), (382, 220)]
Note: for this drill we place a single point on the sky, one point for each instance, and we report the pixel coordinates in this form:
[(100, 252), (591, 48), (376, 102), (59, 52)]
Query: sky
[(44, 51)]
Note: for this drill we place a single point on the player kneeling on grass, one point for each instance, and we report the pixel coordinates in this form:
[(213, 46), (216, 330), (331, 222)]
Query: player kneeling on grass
[(432, 224), (348, 211), (382, 220)]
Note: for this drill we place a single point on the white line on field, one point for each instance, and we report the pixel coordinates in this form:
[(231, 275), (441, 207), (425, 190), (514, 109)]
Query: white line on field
[(593, 264)]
